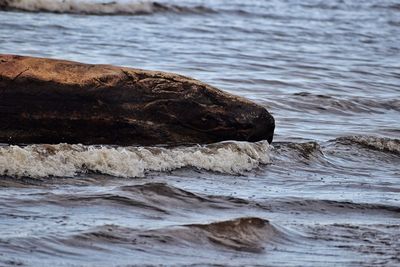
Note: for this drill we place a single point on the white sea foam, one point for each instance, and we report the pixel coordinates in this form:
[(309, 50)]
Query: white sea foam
[(70, 160), (93, 7), (82, 6)]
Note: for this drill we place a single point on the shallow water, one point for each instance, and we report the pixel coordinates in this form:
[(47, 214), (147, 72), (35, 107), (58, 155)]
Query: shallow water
[(327, 192)]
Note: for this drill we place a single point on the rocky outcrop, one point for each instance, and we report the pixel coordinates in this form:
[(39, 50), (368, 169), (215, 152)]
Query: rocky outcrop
[(54, 101)]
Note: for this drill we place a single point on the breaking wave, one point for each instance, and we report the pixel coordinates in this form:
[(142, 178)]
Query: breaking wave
[(70, 160), (92, 8), (372, 142)]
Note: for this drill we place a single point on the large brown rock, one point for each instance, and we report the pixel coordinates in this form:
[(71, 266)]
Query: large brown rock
[(53, 101)]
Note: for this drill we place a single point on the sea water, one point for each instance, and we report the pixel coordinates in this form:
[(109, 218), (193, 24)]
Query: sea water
[(326, 192)]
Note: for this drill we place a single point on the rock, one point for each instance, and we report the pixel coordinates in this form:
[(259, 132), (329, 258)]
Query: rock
[(56, 101)]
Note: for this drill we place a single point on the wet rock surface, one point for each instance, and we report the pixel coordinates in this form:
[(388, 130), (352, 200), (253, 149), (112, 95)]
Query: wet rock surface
[(52, 101)]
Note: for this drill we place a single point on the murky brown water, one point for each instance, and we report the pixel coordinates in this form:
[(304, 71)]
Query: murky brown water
[(326, 193)]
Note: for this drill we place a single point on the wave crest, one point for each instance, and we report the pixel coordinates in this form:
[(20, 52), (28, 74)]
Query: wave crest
[(372, 142), (249, 234), (70, 160), (93, 8)]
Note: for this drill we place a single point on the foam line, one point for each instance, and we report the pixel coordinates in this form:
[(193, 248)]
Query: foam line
[(70, 160)]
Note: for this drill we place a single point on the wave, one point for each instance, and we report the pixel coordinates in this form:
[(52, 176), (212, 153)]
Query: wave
[(338, 105), (323, 205), (307, 149), (242, 234), (302, 152), (148, 197), (372, 142), (92, 8), (141, 197), (70, 160), (314, 151), (394, 7)]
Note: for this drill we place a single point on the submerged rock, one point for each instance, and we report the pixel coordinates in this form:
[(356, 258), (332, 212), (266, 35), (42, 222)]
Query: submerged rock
[(54, 101)]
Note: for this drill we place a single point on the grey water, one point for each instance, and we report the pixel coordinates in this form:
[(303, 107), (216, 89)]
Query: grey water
[(326, 193)]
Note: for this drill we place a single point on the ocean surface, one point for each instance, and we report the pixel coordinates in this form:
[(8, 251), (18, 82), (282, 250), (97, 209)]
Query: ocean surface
[(326, 192)]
